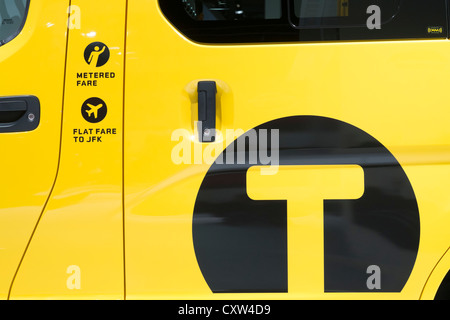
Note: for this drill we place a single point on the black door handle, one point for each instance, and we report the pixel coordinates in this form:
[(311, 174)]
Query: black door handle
[(207, 91), (12, 111), (19, 113)]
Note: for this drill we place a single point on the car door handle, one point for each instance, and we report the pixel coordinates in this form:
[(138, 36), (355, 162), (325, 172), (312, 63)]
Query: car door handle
[(207, 91), (19, 113)]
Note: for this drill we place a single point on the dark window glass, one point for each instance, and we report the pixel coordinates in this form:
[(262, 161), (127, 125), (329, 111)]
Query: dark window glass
[(444, 289), (211, 10), (12, 18), (339, 13), (255, 21)]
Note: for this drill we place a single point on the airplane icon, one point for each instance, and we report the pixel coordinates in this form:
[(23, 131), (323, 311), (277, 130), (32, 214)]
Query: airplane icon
[(93, 109)]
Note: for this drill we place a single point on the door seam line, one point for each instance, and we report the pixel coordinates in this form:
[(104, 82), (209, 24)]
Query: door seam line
[(123, 150)]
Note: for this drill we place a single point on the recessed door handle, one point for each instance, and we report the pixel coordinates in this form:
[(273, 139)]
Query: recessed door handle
[(19, 113), (207, 91)]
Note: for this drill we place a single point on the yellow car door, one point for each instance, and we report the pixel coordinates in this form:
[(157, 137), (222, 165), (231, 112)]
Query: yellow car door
[(285, 149), (32, 59), (76, 251)]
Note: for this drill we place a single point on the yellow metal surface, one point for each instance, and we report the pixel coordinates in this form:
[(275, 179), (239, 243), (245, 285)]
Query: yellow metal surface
[(389, 89), (77, 249), (436, 277), (96, 196), (31, 64)]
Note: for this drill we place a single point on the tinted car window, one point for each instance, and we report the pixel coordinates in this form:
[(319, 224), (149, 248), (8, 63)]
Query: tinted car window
[(262, 21), (339, 13)]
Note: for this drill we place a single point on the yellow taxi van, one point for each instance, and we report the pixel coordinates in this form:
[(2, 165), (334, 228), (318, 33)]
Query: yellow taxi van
[(224, 149)]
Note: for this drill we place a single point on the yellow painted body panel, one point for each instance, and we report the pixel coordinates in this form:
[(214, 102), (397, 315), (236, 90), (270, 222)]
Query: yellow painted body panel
[(390, 89), (77, 249), (94, 206), (31, 64), (436, 277)]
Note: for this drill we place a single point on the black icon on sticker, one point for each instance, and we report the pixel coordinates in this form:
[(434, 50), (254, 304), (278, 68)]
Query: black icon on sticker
[(94, 110), (96, 54)]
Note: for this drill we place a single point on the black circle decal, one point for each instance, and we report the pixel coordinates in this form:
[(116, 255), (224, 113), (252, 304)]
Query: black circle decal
[(94, 110), (96, 54), (241, 244)]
